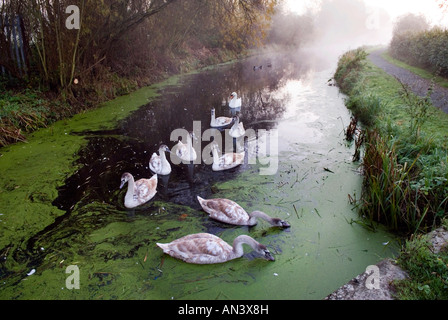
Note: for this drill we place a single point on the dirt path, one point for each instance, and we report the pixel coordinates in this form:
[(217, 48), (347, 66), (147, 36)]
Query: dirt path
[(417, 84)]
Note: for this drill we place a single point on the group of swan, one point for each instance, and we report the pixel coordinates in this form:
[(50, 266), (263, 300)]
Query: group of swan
[(204, 248)]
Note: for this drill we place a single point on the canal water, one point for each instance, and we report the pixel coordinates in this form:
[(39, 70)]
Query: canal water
[(298, 168)]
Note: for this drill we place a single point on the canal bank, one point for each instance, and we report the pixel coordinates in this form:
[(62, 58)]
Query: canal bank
[(410, 133), (114, 248)]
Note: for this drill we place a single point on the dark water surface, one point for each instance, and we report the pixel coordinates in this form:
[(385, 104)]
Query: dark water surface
[(310, 179)]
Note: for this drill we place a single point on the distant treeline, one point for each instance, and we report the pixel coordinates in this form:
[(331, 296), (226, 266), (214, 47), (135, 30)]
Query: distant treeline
[(427, 49)]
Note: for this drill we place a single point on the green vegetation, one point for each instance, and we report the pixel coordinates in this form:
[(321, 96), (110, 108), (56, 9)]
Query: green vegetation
[(427, 270), (405, 166), (23, 112), (419, 46), (443, 82), (425, 49), (405, 160)]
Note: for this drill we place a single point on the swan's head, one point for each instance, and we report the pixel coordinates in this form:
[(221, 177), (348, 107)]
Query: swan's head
[(125, 178), (261, 249), (276, 222), (233, 95), (164, 147)]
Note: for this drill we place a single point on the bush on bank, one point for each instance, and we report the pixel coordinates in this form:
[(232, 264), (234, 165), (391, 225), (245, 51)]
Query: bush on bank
[(405, 162), (426, 49)]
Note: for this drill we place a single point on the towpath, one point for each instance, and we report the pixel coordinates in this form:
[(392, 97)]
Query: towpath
[(416, 83)]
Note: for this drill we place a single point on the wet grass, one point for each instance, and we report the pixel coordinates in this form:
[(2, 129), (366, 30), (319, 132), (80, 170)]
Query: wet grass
[(427, 269), (405, 168), (26, 111), (405, 163)]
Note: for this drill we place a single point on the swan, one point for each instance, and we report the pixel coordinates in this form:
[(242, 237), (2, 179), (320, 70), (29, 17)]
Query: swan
[(237, 129), (234, 101), (158, 163), (228, 211), (140, 191), (205, 248), (226, 161), (220, 121), (185, 151)]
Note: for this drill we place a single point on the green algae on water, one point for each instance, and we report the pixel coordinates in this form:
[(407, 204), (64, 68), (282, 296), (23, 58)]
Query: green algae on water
[(32, 172)]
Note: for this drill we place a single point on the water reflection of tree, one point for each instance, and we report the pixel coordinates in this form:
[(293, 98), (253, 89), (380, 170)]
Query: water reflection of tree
[(179, 106)]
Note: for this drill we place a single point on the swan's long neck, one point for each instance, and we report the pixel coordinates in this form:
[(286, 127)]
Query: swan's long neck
[(131, 187), (190, 147), (163, 158), (238, 250), (215, 155), (213, 115), (258, 214), (162, 155), (236, 123)]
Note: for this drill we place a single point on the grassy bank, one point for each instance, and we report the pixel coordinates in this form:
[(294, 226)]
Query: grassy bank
[(405, 152), (405, 167), (441, 81)]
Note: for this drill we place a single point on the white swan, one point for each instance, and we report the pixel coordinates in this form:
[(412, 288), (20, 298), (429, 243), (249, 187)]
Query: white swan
[(237, 130), (234, 101), (228, 211), (205, 248), (140, 191), (226, 161), (158, 163), (220, 121), (185, 151)]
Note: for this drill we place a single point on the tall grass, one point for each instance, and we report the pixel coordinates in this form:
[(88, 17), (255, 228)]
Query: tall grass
[(405, 172), (22, 112), (388, 196)]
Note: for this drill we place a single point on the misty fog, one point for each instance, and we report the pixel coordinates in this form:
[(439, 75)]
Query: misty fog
[(331, 27)]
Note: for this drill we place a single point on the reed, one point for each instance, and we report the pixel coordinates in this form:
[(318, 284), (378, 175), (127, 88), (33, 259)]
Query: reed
[(405, 169), (387, 193)]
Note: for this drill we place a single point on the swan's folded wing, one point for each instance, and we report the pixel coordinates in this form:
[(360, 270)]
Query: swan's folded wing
[(146, 188), (226, 210), (155, 163), (201, 250), (232, 158)]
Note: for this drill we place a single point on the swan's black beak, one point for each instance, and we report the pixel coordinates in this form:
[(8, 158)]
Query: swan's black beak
[(285, 224), (268, 256)]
